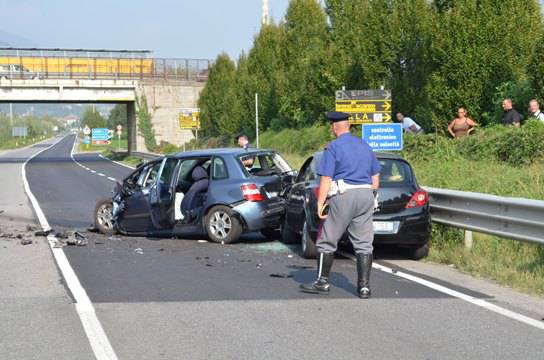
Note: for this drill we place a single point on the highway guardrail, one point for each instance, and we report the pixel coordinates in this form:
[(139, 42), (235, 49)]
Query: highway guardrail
[(511, 218)]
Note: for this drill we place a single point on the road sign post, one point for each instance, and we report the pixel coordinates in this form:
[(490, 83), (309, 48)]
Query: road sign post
[(119, 129), (383, 137)]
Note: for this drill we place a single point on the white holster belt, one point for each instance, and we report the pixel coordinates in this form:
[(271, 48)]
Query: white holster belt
[(340, 187)]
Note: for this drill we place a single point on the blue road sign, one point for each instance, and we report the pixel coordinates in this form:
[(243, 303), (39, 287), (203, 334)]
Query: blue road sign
[(100, 134), (383, 137), (87, 140)]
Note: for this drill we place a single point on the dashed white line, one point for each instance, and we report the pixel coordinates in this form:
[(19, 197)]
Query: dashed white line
[(93, 171), (478, 302), (112, 179), (100, 344), (100, 174)]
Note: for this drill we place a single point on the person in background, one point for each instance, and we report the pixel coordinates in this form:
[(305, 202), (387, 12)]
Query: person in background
[(243, 141), (462, 125), (408, 124), (534, 110), (511, 116)]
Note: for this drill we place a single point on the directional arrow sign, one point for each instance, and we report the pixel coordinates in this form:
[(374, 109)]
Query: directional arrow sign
[(365, 106)]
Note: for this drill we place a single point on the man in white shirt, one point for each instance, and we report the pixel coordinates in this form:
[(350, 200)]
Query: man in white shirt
[(534, 110), (408, 124)]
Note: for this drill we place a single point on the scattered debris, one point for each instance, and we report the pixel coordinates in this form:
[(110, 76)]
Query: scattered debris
[(92, 229), (202, 241), (19, 236), (290, 256), (161, 249), (63, 235), (259, 266), (114, 238), (393, 271), (43, 232), (222, 243), (281, 275), (208, 264), (300, 267), (31, 228), (139, 251), (26, 241)]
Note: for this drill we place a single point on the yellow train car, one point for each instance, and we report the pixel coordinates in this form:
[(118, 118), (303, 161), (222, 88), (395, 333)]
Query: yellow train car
[(80, 63)]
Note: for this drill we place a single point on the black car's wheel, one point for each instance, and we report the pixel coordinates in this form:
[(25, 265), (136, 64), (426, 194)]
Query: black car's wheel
[(103, 217), (222, 225), (288, 235), (419, 252), (309, 250)]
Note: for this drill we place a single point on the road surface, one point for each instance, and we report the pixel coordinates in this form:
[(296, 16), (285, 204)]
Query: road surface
[(181, 298)]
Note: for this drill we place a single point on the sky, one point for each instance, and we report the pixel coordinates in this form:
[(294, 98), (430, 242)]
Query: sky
[(197, 29)]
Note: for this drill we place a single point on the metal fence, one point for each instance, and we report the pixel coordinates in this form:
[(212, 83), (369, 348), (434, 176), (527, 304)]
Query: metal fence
[(42, 67), (512, 218)]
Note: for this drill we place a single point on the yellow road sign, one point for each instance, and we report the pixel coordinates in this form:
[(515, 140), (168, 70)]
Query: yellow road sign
[(365, 106), (189, 119)]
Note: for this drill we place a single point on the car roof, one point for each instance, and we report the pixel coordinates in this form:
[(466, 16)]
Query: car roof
[(379, 155), (219, 151)]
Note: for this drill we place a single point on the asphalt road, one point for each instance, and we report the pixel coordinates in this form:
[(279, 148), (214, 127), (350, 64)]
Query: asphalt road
[(181, 298)]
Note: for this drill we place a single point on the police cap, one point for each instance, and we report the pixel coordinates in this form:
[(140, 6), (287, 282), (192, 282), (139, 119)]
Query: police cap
[(335, 116)]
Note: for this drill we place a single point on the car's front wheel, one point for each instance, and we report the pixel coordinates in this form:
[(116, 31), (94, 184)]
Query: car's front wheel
[(309, 250), (103, 217), (222, 225)]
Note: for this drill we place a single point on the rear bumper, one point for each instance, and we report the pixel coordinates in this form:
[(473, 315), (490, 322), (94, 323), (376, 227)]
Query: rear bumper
[(414, 229), (260, 215)]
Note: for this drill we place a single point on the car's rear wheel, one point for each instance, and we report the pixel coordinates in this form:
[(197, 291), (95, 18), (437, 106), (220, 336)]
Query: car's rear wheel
[(222, 225), (309, 250), (103, 217), (288, 235), (419, 252)]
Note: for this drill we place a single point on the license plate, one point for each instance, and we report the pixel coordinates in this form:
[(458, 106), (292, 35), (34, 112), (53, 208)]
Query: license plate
[(383, 226)]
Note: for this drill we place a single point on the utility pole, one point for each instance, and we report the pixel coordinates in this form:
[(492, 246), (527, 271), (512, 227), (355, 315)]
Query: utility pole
[(257, 118), (11, 114)]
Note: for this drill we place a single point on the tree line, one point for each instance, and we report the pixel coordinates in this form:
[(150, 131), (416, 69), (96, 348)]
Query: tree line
[(434, 55)]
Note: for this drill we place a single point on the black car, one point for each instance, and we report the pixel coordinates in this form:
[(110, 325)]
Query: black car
[(402, 219)]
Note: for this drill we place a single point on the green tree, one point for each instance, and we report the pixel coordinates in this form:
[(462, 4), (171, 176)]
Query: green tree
[(214, 98), (92, 118), (118, 115), (145, 125)]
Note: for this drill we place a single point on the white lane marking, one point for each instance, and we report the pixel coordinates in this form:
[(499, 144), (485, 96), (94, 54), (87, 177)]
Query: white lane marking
[(117, 162), (95, 333), (478, 302), (112, 179), (93, 171), (100, 174)]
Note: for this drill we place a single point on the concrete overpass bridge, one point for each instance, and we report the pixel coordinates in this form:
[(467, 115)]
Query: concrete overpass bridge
[(169, 85)]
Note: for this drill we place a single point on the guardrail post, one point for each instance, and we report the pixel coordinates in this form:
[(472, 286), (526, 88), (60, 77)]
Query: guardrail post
[(468, 239)]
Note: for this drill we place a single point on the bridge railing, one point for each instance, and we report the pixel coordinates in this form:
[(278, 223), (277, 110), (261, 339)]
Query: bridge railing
[(40, 67), (511, 218)]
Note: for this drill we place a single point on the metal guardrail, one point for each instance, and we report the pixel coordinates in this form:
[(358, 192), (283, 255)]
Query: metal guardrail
[(512, 218)]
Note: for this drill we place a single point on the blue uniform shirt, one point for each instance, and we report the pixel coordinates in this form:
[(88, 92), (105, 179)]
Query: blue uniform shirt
[(349, 158)]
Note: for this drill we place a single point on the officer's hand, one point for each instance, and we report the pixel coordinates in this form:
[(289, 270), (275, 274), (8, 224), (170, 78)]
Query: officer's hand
[(322, 211)]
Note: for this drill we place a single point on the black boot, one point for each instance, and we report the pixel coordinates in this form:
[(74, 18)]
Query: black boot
[(364, 265), (321, 285)]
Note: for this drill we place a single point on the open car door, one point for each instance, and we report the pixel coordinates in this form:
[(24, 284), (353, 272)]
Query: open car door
[(162, 196)]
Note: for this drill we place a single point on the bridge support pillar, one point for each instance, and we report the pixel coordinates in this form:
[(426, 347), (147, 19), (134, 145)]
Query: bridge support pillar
[(131, 127)]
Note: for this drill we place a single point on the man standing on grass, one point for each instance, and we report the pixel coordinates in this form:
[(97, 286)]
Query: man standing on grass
[(534, 110), (511, 116)]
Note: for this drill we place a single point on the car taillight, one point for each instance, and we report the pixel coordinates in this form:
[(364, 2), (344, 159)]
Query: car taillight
[(420, 198), (251, 192)]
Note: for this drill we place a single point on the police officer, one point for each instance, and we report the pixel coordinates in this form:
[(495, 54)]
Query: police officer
[(349, 181)]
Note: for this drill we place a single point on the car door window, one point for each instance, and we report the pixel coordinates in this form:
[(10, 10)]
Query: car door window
[(167, 171), (304, 170), (149, 176), (219, 169)]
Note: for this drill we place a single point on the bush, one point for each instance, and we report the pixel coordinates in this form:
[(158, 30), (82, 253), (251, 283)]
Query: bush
[(297, 141), (498, 143)]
